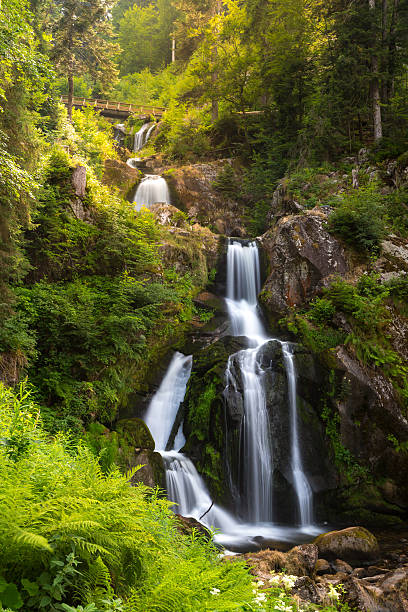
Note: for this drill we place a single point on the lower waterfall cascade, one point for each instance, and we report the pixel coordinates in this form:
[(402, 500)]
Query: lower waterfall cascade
[(185, 487)]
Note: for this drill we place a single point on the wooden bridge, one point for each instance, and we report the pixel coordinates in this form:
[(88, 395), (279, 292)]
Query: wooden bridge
[(116, 110)]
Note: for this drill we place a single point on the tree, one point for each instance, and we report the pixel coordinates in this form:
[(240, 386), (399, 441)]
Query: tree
[(82, 41), (145, 36), (375, 83)]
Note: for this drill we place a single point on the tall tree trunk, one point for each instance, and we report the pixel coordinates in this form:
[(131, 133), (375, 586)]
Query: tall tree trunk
[(375, 88), (384, 36), (214, 76), (70, 94), (392, 50)]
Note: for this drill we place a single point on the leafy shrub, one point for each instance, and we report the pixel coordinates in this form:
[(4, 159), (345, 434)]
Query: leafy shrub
[(311, 186), (322, 310), (184, 133), (358, 219)]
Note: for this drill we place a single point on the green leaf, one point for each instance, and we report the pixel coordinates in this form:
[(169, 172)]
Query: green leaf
[(3, 584), (11, 598), (32, 588), (44, 601)]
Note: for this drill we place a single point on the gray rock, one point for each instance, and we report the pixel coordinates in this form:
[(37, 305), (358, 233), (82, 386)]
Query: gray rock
[(302, 258)]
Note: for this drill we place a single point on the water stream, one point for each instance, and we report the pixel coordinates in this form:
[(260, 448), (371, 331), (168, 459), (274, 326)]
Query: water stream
[(152, 189), (142, 136), (184, 485), (302, 487)]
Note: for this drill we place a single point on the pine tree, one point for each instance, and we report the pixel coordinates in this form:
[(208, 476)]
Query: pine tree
[(82, 41)]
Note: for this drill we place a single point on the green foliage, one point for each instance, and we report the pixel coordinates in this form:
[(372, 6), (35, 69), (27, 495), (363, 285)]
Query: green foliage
[(311, 186), (364, 307), (69, 533), (350, 468), (199, 418), (82, 39), (358, 219), (144, 36), (184, 133)]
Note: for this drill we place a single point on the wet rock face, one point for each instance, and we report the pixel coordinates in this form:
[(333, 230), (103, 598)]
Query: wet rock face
[(302, 258), (355, 544), (369, 413), (192, 189)]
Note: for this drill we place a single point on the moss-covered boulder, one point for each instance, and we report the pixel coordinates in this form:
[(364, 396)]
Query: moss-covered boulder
[(354, 544), (118, 174), (151, 472), (135, 433)]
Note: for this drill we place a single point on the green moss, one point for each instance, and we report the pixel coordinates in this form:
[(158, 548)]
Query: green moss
[(135, 433)]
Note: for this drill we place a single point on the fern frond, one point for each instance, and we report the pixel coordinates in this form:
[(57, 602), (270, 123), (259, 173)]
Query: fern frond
[(33, 540)]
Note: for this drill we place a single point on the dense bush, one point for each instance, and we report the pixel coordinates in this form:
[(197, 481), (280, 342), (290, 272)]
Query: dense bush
[(358, 219)]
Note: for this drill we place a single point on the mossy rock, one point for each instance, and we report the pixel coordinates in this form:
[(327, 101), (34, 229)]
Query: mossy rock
[(354, 544), (135, 433), (151, 473)]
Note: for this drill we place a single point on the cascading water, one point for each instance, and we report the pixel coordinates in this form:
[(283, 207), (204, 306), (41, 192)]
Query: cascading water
[(185, 487), (142, 136), (184, 484), (302, 487), (163, 408), (243, 286), (152, 189)]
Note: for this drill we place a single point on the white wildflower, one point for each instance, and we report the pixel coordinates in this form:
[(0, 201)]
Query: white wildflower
[(333, 594), (215, 591), (260, 583)]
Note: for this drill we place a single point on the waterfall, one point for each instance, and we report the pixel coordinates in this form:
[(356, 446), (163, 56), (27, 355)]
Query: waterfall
[(163, 408), (152, 189), (141, 137), (255, 436), (244, 375), (184, 485), (302, 487), (243, 286)]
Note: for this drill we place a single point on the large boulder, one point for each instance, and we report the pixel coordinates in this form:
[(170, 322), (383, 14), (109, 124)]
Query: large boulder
[(135, 433), (192, 189), (188, 525), (136, 449), (302, 258), (354, 544), (118, 174), (151, 469)]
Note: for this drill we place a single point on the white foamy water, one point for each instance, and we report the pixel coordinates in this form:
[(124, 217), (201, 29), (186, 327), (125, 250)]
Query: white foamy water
[(184, 484), (152, 189)]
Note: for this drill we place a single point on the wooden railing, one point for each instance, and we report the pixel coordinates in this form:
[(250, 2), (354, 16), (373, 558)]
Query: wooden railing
[(120, 107)]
